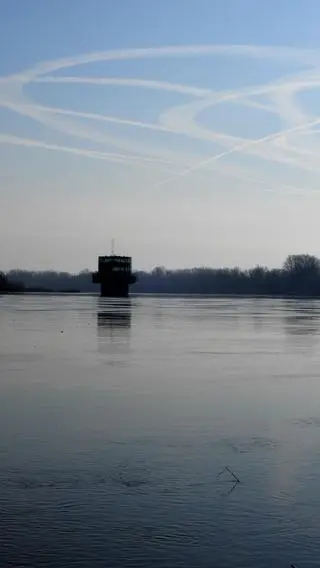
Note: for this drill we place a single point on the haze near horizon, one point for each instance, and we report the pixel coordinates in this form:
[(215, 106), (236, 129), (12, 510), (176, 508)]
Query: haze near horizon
[(186, 131)]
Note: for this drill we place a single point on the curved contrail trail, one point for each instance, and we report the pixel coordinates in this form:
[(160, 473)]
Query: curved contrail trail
[(306, 56), (13, 97)]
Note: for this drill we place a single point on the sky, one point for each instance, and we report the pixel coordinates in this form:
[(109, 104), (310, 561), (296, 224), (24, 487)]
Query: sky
[(185, 130)]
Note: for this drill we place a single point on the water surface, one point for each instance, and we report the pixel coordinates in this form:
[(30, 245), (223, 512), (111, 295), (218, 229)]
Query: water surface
[(116, 419)]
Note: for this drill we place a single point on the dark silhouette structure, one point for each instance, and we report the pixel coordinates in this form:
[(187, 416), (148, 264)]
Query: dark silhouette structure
[(114, 276)]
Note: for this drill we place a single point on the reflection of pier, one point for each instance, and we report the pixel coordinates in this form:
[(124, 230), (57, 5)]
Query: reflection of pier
[(113, 325), (110, 319)]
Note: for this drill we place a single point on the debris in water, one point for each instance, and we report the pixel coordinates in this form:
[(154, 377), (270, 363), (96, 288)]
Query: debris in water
[(234, 476)]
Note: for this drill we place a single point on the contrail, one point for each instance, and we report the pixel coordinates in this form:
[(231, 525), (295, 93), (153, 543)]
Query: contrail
[(120, 158), (239, 148), (128, 82), (306, 56), (105, 118), (131, 160), (13, 97), (181, 119), (303, 80)]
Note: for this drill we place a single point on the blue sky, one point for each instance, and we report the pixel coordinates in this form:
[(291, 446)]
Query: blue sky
[(187, 130)]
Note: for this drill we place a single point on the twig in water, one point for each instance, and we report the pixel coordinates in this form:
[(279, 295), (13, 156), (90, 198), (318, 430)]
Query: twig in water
[(235, 477)]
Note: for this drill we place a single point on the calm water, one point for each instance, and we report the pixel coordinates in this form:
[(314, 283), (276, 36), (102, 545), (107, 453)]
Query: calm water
[(116, 419)]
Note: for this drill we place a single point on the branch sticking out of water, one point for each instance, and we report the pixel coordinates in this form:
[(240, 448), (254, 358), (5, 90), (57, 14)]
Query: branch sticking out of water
[(235, 478)]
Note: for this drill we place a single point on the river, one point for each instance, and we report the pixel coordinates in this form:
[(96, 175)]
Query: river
[(118, 419)]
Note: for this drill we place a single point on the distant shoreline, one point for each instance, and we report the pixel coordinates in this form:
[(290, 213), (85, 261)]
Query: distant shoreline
[(165, 295), (299, 277)]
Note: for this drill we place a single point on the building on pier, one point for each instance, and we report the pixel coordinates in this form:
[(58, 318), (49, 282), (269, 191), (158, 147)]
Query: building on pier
[(114, 276)]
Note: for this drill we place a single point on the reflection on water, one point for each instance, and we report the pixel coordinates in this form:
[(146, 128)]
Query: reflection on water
[(302, 321), (117, 416), (299, 317), (114, 314), (113, 325)]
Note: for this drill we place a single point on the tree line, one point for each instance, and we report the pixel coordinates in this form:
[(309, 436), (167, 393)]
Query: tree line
[(299, 276), (9, 286)]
